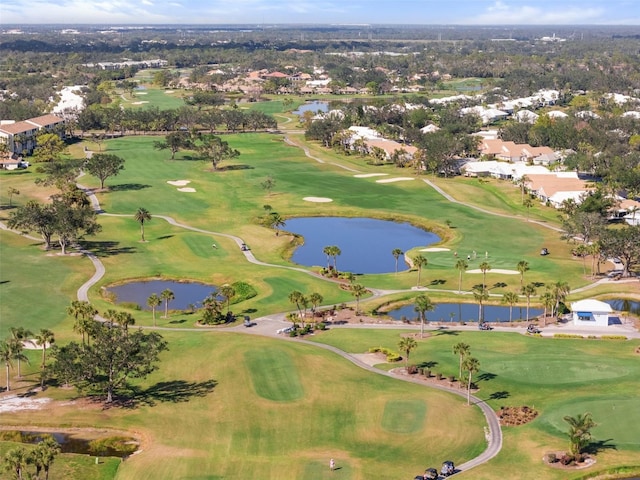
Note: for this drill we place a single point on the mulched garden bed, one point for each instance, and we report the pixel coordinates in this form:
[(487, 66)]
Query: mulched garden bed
[(511, 416)]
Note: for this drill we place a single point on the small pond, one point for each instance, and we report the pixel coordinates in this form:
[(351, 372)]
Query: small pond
[(314, 107), (466, 312), (624, 305), (75, 443), (365, 243), (186, 293)]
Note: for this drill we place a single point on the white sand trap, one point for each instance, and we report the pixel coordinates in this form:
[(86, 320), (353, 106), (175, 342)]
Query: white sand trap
[(496, 270), (139, 103), (187, 189), (14, 403), (367, 175), (397, 179), (318, 199), (140, 93), (32, 344), (179, 183), (434, 249), (169, 91)]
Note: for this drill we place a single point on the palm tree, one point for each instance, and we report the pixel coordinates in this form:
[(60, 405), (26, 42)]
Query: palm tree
[(44, 338), (528, 291), (510, 298), (528, 203), (548, 300), (358, 290), (335, 252), (462, 350), (579, 431), (17, 353), (15, 460), (327, 251), (167, 295), (396, 252), (560, 291), (296, 298), (423, 304), (484, 267), (6, 356), (228, 292), (594, 251), (153, 301), (18, 336), (12, 191), (462, 266), (316, 300), (43, 455), (124, 319), (582, 251), (480, 295), (523, 266), (141, 216), (419, 261), (470, 365), (406, 345), (522, 183)]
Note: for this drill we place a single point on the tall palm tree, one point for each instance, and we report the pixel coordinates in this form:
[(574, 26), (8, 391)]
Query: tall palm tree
[(44, 338), (510, 298), (153, 301), (484, 267), (528, 291), (335, 253), (522, 183), (358, 290), (560, 291), (6, 356), (462, 350), (296, 298), (124, 319), (528, 203), (327, 251), (228, 292), (43, 455), (423, 304), (420, 261), (15, 460), (406, 345), (480, 295), (396, 252), (594, 251), (462, 266), (523, 266), (316, 300), (18, 336), (17, 352), (167, 295), (548, 300), (579, 431), (470, 365), (141, 216)]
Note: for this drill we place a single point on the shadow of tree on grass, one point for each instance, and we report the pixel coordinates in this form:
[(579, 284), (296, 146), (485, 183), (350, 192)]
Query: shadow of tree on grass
[(106, 249), (175, 391)]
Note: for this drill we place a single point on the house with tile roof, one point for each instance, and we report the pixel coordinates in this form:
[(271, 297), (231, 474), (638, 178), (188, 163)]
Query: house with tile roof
[(20, 137)]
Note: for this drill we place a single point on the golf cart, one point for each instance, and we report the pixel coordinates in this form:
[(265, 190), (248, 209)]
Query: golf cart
[(430, 474), (544, 252), (531, 328), (448, 468), (484, 326), (244, 247)]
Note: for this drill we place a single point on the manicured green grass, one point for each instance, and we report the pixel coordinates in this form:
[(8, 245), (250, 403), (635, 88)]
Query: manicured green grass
[(273, 375), (402, 416)]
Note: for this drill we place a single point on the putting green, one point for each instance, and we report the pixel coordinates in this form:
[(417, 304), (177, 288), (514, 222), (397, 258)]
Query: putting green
[(274, 375), (542, 370), (404, 416), (618, 420)]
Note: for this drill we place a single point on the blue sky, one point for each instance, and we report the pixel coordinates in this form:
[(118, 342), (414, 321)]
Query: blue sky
[(462, 12)]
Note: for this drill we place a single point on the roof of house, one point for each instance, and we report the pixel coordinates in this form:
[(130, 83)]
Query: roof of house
[(18, 127), (552, 184), (591, 305), (390, 146), (45, 120)]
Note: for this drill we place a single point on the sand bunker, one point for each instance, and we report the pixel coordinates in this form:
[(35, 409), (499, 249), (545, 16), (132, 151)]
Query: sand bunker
[(139, 103), (14, 403), (434, 249), (397, 179), (32, 344), (169, 91), (140, 93), (317, 199), (179, 183), (367, 175), (496, 270), (187, 189)]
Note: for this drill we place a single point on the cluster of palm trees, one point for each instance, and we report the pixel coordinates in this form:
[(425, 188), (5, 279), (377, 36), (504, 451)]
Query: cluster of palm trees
[(12, 349), (42, 457), (154, 300), (468, 364), (303, 302), (579, 431), (332, 251)]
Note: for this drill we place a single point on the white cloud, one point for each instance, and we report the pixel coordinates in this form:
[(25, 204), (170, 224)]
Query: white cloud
[(503, 13)]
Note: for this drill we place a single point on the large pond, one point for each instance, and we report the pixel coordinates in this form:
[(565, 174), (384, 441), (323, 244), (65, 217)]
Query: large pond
[(365, 243), (314, 107), (624, 305), (73, 443), (465, 312), (187, 294)]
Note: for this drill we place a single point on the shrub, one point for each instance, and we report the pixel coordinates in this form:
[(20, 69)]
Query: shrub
[(551, 458), (244, 291), (567, 459), (412, 369), (427, 372), (567, 335), (613, 337), (321, 326), (130, 305), (438, 376), (111, 445), (451, 378)]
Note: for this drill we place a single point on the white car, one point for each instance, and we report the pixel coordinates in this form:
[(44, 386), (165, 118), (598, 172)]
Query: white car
[(284, 330)]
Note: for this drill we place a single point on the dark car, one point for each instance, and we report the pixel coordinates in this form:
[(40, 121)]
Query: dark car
[(448, 468), (484, 326), (531, 328)]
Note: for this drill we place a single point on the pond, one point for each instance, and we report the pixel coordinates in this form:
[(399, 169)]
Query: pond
[(365, 243), (314, 107), (186, 294), (466, 312), (624, 305), (112, 446)]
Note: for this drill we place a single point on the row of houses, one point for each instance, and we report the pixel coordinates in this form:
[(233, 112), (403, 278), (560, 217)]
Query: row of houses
[(517, 152), (20, 137)]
